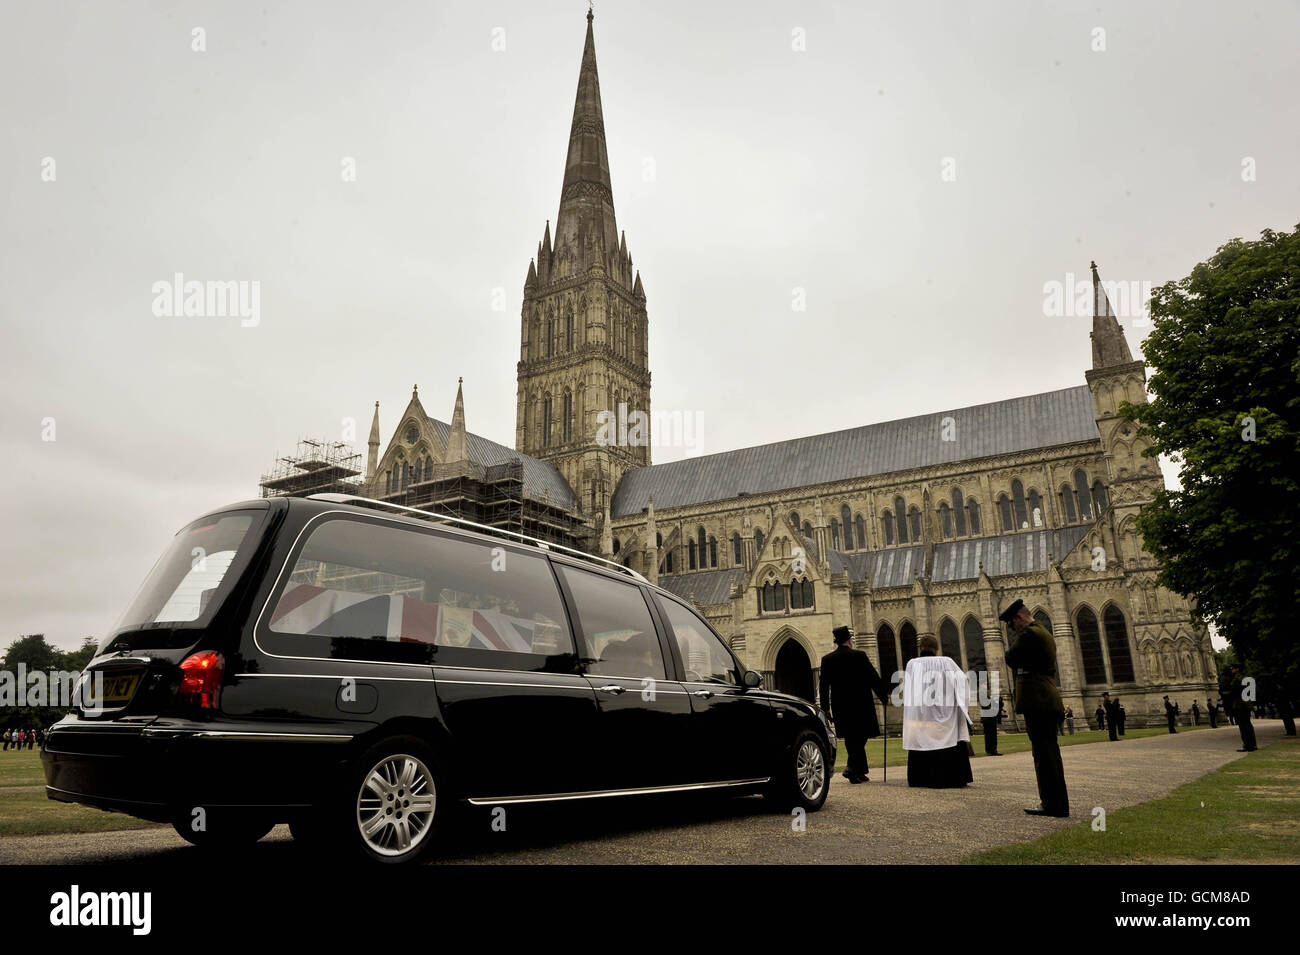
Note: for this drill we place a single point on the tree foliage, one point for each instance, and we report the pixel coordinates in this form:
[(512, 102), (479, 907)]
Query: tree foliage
[(1225, 405)]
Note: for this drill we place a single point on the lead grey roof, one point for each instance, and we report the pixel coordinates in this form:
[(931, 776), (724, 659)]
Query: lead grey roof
[(705, 587), (1001, 427), (541, 478)]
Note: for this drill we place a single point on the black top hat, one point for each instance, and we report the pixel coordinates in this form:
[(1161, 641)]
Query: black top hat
[(841, 634), (1009, 614)]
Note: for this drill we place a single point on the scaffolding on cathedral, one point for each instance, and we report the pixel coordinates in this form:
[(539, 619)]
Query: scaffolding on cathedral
[(316, 467), (494, 496)]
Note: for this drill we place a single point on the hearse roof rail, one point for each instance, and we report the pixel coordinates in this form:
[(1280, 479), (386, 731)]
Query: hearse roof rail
[(474, 525)]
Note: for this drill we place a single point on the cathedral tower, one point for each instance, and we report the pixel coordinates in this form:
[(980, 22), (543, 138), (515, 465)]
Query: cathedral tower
[(583, 369)]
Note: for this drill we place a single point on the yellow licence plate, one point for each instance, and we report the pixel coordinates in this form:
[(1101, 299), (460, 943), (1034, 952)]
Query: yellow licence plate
[(117, 689)]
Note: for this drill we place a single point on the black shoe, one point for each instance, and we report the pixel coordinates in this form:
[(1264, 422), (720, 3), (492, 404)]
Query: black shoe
[(1037, 811), (851, 777), (995, 754)]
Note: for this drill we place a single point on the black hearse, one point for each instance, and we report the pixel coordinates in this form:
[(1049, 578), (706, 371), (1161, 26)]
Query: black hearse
[(356, 669)]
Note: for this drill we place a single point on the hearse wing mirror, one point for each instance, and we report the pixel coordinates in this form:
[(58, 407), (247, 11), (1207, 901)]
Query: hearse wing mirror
[(753, 679)]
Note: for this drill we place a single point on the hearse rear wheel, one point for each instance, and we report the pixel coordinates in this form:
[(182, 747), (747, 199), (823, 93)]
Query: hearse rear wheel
[(802, 781), (397, 801)]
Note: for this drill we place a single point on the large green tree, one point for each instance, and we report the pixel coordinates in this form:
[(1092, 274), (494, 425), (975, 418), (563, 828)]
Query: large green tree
[(1225, 405)]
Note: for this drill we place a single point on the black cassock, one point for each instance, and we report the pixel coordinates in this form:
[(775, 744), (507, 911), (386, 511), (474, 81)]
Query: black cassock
[(847, 681)]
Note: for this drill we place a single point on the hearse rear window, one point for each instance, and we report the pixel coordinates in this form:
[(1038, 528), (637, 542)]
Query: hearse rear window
[(362, 590)]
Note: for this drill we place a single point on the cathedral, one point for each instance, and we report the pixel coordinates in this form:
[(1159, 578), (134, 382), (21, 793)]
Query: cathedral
[(927, 525)]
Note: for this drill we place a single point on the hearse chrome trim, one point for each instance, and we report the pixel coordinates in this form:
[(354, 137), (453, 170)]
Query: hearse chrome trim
[(481, 528), (175, 732), (339, 676), (602, 793)]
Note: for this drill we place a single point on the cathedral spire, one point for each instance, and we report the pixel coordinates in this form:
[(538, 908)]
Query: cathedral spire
[(1109, 347), (457, 443), (372, 459), (585, 224)]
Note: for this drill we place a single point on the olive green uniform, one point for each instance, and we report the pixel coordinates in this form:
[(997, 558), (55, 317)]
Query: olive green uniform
[(1033, 655)]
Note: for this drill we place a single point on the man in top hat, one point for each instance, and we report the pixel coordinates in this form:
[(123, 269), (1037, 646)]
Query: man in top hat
[(847, 682), (1171, 715), (1241, 706), (1033, 657)]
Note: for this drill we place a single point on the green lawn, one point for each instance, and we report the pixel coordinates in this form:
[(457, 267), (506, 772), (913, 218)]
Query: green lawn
[(26, 811), (1007, 743), (1246, 812)]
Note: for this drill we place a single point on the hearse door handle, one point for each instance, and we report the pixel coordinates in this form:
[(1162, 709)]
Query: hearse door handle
[(704, 694), (612, 688)]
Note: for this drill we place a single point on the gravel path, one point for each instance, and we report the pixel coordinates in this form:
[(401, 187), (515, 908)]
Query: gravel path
[(873, 823)]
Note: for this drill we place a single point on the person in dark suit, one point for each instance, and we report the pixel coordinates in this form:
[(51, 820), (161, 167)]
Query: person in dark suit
[(847, 681), (1121, 714), (1196, 713), (1033, 657), (1171, 715), (990, 724), (1212, 711), (1112, 715), (1101, 717), (1237, 698)]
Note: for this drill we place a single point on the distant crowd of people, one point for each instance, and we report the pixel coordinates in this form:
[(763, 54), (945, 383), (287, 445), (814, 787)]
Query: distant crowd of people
[(22, 739)]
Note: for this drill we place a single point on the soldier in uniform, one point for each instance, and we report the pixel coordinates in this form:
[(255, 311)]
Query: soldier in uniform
[(1212, 711), (1033, 656), (1196, 713), (847, 681), (1171, 714), (1241, 709), (1101, 717)]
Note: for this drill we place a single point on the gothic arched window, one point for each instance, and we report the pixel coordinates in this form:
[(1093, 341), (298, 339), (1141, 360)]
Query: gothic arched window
[(945, 520), (1067, 503), (1085, 498), (846, 519), (860, 526), (888, 652), (1004, 512), (1018, 501), (973, 510), (1094, 664), (567, 421), (914, 522), (546, 421), (809, 600), (713, 551), (1036, 516), (758, 541), (1098, 495), (900, 509), (974, 634), (949, 640), (796, 595), (907, 637), (690, 555), (835, 533), (737, 557), (958, 512), (1121, 659), (807, 530), (887, 525), (794, 519)]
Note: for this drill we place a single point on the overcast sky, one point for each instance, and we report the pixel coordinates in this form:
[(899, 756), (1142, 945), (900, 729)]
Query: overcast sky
[(743, 169)]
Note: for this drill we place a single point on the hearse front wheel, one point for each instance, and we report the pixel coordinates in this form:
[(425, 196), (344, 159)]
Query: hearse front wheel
[(803, 780), (397, 801)]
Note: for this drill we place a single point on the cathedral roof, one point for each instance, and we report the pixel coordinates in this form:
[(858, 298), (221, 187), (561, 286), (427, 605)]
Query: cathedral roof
[(541, 479), (706, 587), (1001, 427)]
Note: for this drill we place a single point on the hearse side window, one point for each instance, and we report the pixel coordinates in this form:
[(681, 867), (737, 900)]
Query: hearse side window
[(362, 590), (704, 658), (617, 626)]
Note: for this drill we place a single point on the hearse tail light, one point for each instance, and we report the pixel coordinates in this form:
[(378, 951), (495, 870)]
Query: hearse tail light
[(201, 679)]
